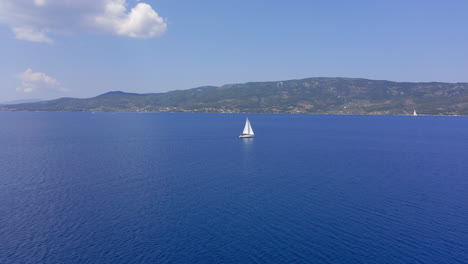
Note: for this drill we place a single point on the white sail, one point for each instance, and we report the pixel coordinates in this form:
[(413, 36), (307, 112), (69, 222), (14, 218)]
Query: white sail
[(250, 127), (247, 128), (248, 131), (414, 113)]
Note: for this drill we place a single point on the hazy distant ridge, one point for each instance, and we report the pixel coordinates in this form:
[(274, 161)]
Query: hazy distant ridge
[(311, 95), (22, 101)]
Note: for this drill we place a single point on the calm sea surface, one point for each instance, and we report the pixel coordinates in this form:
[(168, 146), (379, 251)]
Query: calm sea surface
[(183, 188)]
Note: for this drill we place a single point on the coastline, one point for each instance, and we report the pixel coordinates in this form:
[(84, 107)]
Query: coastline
[(238, 113)]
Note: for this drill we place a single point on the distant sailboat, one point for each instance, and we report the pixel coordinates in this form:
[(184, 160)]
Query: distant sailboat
[(248, 131), (414, 112)]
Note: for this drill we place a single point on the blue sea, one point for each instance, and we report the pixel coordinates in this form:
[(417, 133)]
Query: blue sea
[(183, 188)]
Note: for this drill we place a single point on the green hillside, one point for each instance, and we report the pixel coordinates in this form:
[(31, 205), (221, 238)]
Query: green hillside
[(311, 95)]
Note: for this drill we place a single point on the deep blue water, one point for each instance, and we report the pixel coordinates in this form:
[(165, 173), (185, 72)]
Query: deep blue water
[(182, 188)]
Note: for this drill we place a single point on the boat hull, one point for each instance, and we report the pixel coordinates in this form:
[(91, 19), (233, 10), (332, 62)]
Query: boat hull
[(246, 136)]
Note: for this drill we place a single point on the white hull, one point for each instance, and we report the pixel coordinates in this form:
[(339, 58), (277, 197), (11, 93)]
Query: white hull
[(246, 136)]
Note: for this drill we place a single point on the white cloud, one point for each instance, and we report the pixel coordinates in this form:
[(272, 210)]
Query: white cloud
[(38, 20), (141, 22), (39, 2), (31, 34), (32, 81)]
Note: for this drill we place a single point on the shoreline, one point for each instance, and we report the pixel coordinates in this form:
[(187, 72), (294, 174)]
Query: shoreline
[(236, 113)]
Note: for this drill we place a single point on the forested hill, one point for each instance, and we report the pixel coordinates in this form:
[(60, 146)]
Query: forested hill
[(311, 95)]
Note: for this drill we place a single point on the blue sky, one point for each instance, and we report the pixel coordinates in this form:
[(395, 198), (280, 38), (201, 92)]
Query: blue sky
[(58, 48)]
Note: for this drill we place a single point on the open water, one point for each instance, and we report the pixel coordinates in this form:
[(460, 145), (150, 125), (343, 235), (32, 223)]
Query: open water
[(183, 188)]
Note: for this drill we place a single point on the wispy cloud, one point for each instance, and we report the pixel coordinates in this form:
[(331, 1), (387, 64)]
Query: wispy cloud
[(39, 2), (38, 20), (32, 81), (31, 34)]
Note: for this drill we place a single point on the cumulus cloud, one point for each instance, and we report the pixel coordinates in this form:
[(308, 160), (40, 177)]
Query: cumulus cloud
[(38, 20), (32, 81), (141, 22)]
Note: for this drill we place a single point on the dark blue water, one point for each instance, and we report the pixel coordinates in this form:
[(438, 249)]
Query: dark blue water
[(182, 188)]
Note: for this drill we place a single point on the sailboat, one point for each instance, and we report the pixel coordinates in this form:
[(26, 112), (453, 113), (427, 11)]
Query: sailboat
[(414, 112), (248, 131)]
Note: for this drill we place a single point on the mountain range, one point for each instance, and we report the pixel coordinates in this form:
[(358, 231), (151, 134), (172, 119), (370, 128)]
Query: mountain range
[(312, 95)]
